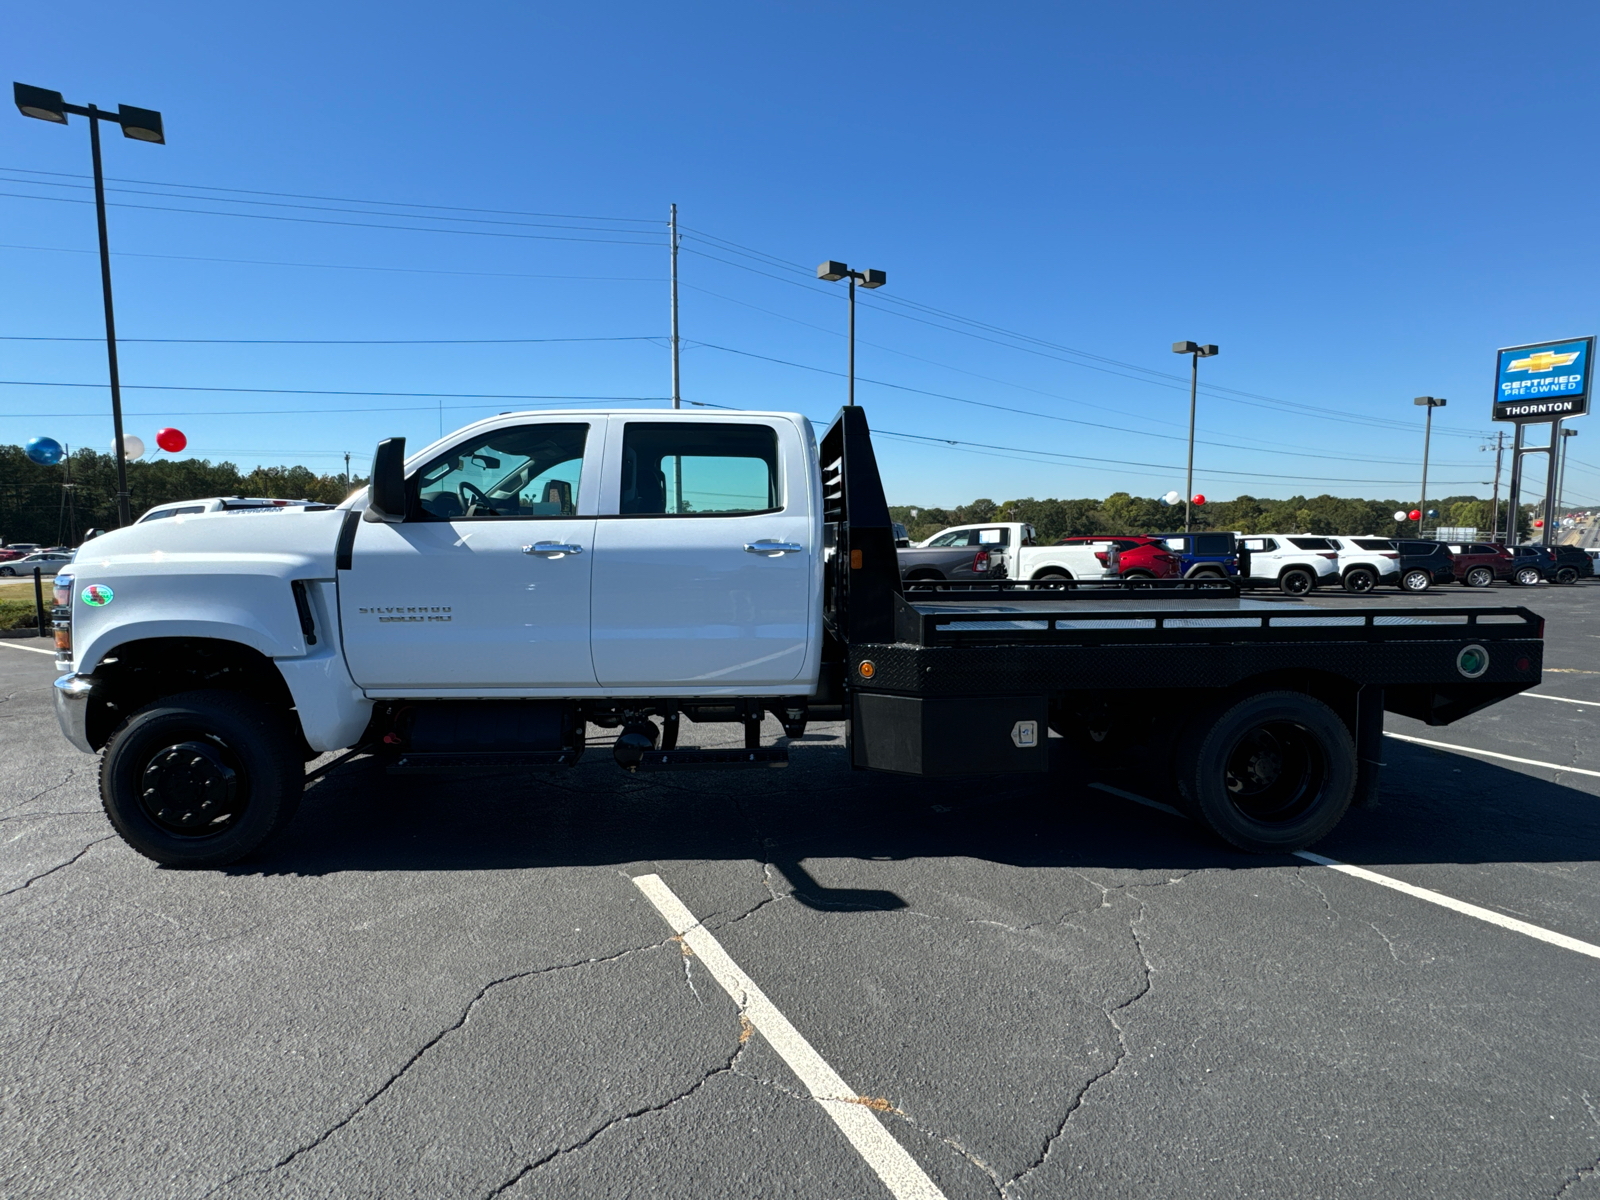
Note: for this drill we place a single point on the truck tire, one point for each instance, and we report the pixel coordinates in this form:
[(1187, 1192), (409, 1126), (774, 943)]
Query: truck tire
[(933, 576), (202, 778), (1567, 575), (1297, 581), (1052, 574), (1526, 576), (1416, 581), (1360, 580), (1272, 773), (1208, 573), (1479, 577)]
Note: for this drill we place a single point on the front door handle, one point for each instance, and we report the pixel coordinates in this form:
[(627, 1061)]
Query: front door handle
[(552, 549), (772, 549)]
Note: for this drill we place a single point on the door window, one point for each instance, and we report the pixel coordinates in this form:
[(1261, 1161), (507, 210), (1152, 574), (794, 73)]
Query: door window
[(1311, 543), (520, 471), (1259, 545), (685, 469)]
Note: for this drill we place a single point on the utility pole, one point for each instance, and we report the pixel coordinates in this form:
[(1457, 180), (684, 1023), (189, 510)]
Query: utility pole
[(677, 398), (1561, 477), (1494, 505), (347, 468)]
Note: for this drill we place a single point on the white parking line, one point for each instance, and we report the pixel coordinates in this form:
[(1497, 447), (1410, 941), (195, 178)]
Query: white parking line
[(36, 649), (1562, 699), (1460, 906), (898, 1170), (1532, 762)]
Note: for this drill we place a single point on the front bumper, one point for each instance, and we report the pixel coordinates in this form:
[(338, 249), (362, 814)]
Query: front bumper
[(72, 709)]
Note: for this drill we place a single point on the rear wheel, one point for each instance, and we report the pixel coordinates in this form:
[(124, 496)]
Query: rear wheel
[(1416, 581), (202, 778), (1208, 573), (1273, 773), (1360, 580), (1137, 575), (1297, 581), (917, 576), (1052, 575), (1567, 575), (1527, 576), (1479, 577)]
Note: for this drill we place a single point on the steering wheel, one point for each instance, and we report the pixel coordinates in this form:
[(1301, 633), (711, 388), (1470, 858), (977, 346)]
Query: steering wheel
[(469, 504)]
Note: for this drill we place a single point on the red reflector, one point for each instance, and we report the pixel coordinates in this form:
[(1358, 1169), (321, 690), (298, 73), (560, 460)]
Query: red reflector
[(1523, 664)]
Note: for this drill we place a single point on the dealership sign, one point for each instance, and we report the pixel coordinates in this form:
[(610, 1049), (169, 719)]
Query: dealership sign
[(1547, 381)]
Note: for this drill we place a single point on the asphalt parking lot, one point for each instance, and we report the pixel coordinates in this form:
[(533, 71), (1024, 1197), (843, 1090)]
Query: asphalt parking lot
[(1035, 989)]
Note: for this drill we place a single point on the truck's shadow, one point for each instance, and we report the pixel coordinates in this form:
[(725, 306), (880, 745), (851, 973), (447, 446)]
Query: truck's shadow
[(1435, 808)]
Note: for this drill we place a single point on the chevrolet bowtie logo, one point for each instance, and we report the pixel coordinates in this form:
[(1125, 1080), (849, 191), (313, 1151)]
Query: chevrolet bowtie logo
[(1542, 361)]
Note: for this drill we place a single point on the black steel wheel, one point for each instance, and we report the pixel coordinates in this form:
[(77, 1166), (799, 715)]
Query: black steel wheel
[(1416, 581), (1479, 577), (1527, 576), (1297, 581), (1360, 580), (201, 779), (1567, 575), (1274, 772)]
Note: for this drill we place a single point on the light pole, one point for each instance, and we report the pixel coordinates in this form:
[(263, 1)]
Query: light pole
[(1561, 477), (1430, 403), (835, 271), (142, 125), (1196, 353)]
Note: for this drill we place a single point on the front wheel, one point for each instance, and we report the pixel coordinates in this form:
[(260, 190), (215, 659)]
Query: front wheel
[(1479, 577), (202, 778), (1567, 575), (1527, 576), (8, 570), (1297, 581), (1273, 773), (1360, 580), (1416, 581)]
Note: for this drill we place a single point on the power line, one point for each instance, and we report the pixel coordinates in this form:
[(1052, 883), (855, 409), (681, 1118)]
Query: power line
[(336, 341), (267, 262), (174, 387)]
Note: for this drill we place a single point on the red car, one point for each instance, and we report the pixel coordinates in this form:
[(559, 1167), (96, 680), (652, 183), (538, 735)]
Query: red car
[(1478, 564), (1139, 557), (7, 554)]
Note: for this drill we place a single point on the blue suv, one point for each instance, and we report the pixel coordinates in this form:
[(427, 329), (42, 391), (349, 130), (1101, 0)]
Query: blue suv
[(1203, 555)]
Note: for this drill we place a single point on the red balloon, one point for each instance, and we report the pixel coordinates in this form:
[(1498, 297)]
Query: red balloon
[(1539, 524), (171, 440), (1415, 514), (1199, 498)]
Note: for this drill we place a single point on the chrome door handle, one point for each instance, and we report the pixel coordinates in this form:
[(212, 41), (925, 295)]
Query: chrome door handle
[(773, 549), (552, 549)]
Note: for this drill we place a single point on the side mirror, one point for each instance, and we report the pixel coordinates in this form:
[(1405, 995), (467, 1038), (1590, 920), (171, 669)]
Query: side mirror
[(386, 493)]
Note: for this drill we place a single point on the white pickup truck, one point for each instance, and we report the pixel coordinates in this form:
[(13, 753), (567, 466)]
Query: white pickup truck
[(1016, 544), (492, 596)]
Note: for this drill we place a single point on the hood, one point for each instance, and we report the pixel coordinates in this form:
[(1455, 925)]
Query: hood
[(294, 542)]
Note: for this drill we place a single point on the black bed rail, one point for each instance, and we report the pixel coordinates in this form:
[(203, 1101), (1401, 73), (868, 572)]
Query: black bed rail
[(1071, 589), (1203, 626)]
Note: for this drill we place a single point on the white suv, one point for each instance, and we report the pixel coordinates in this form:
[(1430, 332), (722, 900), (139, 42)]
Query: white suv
[(1296, 562), (1365, 562)]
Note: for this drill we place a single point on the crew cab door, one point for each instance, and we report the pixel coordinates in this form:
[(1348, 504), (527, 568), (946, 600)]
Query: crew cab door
[(485, 585), (707, 559)]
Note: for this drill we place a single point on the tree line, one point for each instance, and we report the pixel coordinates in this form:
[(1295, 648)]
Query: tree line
[(1121, 512), (31, 495)]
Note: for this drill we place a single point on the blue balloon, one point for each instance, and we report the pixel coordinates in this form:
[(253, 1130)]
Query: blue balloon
[(44, 451)]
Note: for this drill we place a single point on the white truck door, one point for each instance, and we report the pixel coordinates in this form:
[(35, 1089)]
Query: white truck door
[(705, 558), (486, 582)]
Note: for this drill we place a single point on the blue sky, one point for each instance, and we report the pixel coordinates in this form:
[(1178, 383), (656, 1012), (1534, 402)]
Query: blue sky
[(1358, 205)]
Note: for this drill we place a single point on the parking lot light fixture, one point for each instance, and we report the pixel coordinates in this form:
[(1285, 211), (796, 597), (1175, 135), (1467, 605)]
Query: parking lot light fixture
[(1430, 403), (835, 271), (142, 125), (1196, 352)]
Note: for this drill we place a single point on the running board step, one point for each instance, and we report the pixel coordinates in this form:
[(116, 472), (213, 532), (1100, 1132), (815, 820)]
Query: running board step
[(416, 762), (694, 760)]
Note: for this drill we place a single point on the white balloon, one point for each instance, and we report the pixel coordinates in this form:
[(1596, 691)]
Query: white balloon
[(132, 446), (1173, 497), (1400, 516)]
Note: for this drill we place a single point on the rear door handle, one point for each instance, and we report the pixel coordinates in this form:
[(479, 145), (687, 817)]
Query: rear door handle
[(773, 549), (552, 549)]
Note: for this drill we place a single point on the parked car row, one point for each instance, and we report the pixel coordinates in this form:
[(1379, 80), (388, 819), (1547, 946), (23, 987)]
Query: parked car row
[(1296, 564)]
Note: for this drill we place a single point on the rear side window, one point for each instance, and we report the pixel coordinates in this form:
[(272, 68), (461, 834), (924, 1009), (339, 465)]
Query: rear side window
[(1374, 544), (687, 469), (1309, 543), (1475, 549), (1211, 543), (994, 537)]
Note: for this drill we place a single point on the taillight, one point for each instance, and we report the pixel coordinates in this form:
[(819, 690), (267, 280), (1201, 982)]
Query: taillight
[(1388, 556), (1334, 556), (1101, 555), (980, 562)]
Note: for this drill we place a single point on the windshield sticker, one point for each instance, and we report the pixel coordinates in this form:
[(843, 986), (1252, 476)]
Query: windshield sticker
[(98, 595)]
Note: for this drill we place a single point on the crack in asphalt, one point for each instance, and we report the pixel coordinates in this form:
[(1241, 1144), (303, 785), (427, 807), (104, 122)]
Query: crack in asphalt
[(59, 866), (395, 1078), (633, 1115), (71, 812), (1572, 1181), (62, 782), (1299, 879), (1007, 1189), (1394, 954)]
